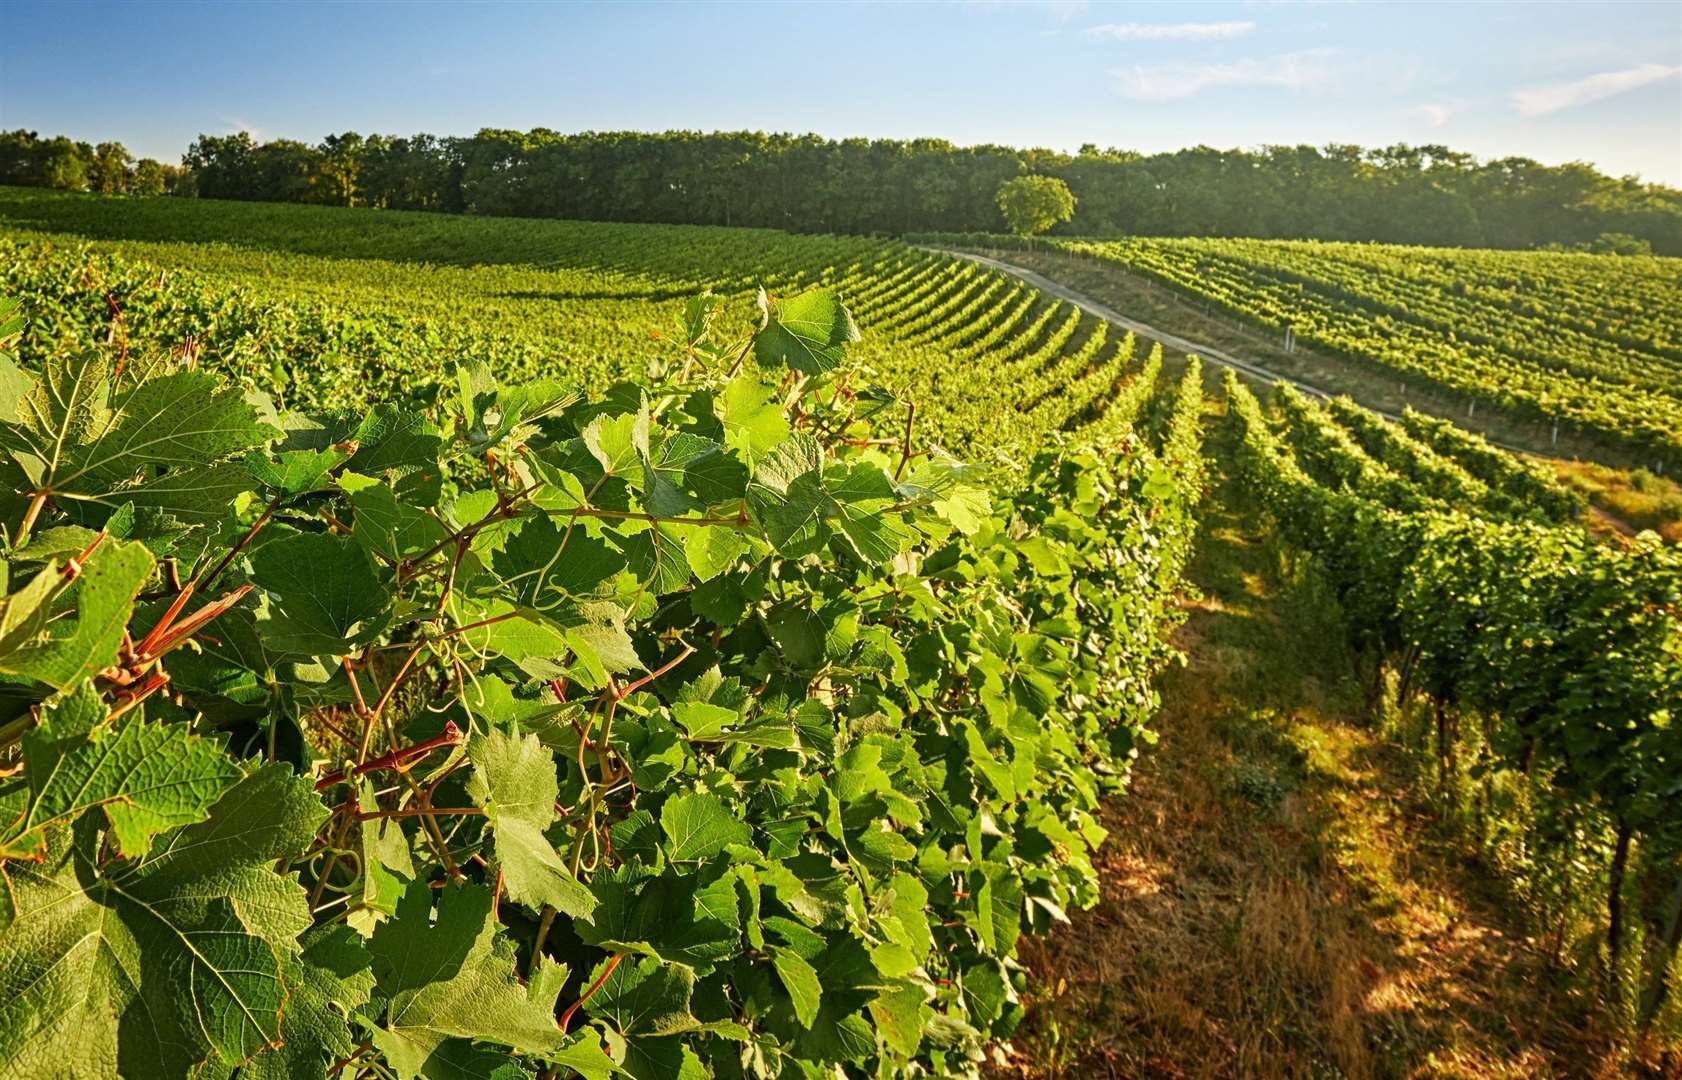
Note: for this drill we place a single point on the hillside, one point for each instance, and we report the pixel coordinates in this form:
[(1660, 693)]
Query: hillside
[(453, 646)]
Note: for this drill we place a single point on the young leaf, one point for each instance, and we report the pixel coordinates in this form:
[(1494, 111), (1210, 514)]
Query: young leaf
[(809, 332), (514, 780), (699, 826)]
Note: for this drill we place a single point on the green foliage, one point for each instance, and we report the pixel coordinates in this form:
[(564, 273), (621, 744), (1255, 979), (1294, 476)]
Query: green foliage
[(344, 311), (1033, 204), (1394, 194), (688, 728)]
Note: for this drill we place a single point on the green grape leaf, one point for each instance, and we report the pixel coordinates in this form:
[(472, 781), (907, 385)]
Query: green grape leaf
[(514, 780), (188, 948), (147, 777), (386, 526), (294, 472), (61, 650), (788, 499), (456, 978), (191, 496), (801, 982), (325, 595), (698, 826), (331, 980), (547, 565), (75, 436), (752, 416), (809, 332)]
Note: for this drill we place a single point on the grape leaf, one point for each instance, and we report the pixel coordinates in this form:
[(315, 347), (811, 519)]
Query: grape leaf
[(752, 417), (187, 948), (809, 332), (148, 777), (324, 592), (296, 471), (801, 982), (698, 826), (61, 651), (514, 780), (74, 436), (331, 980), (455, 979)]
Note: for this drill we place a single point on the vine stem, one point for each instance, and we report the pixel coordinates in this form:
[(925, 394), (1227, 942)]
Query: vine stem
[(612, 963), (542, 932), (233, 552), (29, 516), (450, 736), (632, 687), (905, 454)]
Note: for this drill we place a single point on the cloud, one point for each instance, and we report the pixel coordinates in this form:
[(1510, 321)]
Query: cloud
[(1209, 31), (1436, 114), (1542, 100), (1307, 69), (235, 125)]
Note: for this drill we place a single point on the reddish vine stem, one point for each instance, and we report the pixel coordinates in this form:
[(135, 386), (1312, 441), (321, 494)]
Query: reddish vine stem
[(612, 963), (632, 687), (450, 736)]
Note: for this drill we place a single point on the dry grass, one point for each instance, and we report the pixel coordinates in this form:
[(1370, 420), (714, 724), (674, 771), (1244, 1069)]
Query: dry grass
[(1275, 901), (1636, 498)]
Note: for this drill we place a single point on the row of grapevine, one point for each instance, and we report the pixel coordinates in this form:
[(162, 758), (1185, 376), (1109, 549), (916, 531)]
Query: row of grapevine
[(1548, 657), (1552, 337), (715, 724), (1523, 482)]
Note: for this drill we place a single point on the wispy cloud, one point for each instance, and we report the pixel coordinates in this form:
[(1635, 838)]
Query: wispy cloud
[(1551, 98), (1190, 31), (236, 125), (1436, 114), (1305, 70)]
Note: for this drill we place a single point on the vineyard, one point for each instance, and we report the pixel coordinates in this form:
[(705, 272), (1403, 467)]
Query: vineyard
[(464, 647), (1563, 340), (376, 321), (720, 722)]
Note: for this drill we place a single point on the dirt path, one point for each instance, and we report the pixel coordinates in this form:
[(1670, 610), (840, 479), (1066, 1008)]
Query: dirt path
[(1377, 393), (1277, 899), (1145, 330)]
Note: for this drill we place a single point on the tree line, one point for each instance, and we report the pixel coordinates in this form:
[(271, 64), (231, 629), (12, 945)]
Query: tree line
[(1399, 194)]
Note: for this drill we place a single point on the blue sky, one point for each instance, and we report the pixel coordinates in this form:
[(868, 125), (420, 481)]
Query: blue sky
[(1599, 81)]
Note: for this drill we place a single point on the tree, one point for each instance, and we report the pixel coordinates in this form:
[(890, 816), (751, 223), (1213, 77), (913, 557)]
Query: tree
[(341, 162), (148, 178), (65, 165), (108, 172), (1033, 204)]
